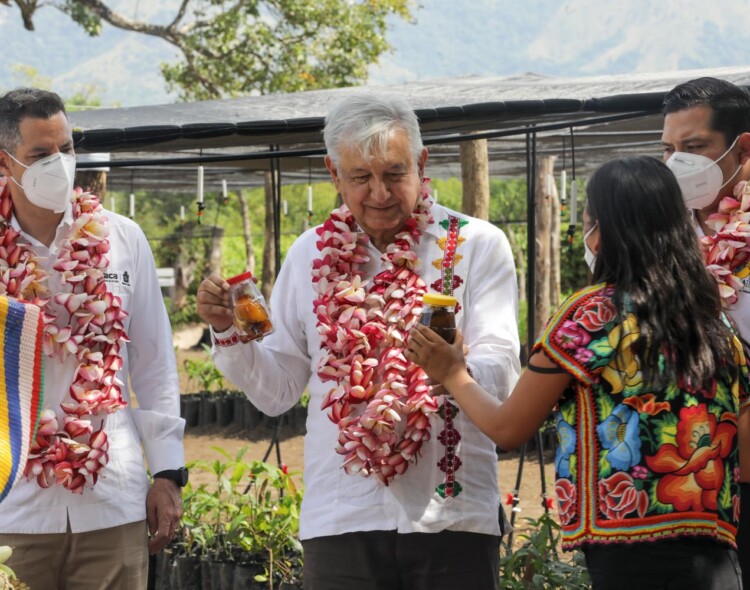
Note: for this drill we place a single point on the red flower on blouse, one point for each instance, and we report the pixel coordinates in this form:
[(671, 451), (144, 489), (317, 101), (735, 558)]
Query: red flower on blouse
[(596, 313), (646, 404), (618, 497), (567, 499), (572, 336), (694, 468)]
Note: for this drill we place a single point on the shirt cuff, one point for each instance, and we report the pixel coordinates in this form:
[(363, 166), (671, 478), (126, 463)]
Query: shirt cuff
[(228, 337), (161, 435)]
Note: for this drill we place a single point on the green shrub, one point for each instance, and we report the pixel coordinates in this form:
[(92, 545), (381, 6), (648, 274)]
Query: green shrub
[(247, 514), (537, 563), (203, 373), (185, 315)]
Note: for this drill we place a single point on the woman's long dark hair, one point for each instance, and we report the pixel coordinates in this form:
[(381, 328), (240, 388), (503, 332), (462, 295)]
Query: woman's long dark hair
[(649, 251)]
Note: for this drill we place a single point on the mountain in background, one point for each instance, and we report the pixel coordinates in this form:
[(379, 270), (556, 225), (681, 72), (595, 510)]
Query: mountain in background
[(445, 39)]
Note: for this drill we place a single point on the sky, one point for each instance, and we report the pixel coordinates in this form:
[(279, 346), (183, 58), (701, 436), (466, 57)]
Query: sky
[(444, 39)]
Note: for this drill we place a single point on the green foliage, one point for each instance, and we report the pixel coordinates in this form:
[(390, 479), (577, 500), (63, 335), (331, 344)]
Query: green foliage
[(537, 563), (85, 96), (280, 46), (171, 239), (90, 23), (248, 513), (259, 46), (204, 373), (508, 210), (183, 316)]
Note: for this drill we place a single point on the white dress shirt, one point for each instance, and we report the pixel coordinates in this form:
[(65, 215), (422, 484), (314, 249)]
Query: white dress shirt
[(119, 496), (275, 372), (740, 310)]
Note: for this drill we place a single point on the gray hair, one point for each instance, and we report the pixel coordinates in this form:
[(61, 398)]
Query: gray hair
[(20, 104), (365, 121)]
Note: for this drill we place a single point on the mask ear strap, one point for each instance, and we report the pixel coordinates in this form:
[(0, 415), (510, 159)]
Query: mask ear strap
[(729, 149), (16, 160)]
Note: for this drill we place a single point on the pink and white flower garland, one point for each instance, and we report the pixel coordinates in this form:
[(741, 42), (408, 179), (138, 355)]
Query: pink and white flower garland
[(89, 327), (728, 250), (364, 329)]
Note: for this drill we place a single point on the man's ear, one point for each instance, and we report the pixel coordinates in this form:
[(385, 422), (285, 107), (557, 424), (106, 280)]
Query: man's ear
[(744, 142), (421, 163), (5, 162), (333, 171)]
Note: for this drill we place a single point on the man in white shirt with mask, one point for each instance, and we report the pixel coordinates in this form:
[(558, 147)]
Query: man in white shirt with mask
[(81, 516), (706, 143)]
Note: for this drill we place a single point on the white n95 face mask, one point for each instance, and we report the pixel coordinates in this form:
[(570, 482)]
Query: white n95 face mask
[(48, 183), (699, 177)]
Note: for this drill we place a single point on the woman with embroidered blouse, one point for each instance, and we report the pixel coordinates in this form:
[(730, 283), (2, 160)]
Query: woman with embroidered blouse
[(649, 382)]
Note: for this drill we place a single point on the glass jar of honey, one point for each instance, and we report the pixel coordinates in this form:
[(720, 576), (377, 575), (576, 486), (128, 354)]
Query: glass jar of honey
[(250, 312), (438, 313)]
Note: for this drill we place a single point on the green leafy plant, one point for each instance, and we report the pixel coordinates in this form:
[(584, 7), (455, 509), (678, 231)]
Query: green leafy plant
[(248, 514), (537, 563), (203, 373), (187, 314)]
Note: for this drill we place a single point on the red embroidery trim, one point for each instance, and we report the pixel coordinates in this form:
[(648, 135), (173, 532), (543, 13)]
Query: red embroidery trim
[(232, 340), (449, 437)]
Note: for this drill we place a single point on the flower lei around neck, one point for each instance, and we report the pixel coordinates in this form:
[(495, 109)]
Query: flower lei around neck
[(728, 250), (85, 322), (364, 329)]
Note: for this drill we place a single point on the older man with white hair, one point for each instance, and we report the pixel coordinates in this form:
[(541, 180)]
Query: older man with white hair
[(401, 489)]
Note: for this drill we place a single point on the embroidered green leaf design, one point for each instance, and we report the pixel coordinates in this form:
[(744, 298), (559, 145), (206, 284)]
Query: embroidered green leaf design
[(666, 429)]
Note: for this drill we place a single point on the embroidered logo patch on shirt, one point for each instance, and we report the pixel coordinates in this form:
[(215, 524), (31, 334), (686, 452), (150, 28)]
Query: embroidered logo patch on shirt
[(116, 277)]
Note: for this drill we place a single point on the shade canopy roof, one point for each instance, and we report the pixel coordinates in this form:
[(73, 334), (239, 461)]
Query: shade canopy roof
[(603, 116)]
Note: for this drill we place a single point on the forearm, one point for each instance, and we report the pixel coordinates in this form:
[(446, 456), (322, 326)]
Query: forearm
[(271, 380), (480, 407)]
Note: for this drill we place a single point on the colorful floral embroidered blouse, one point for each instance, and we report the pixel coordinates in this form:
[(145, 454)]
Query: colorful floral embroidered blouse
[(634, 464)]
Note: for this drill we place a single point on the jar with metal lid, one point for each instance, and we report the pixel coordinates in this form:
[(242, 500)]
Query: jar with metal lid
[(438, 313), (251, 316)]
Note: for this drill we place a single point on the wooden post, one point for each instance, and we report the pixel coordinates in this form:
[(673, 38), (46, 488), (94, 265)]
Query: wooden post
[(214, 254), (475, 177), (520, 259), (93, 181), (542, 238)]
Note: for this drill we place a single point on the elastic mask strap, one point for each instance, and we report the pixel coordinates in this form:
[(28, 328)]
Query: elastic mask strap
[(588, 233), (17, 161), (722, 157)]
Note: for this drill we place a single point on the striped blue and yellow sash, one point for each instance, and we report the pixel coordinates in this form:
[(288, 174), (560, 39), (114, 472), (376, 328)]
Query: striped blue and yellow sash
[(21, 387)]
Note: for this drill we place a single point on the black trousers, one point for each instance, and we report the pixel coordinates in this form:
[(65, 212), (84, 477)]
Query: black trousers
[(664, 565), (743, 534), (387, 560)]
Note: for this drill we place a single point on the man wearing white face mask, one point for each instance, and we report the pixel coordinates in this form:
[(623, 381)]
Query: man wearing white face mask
[(81, 516), (706, 143)]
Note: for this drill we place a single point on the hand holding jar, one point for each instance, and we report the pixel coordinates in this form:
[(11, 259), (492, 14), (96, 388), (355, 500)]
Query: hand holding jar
[(439, 315), (250, 312)]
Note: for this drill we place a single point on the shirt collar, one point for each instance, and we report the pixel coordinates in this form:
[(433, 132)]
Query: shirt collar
[(65, 222), (439, 214)]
